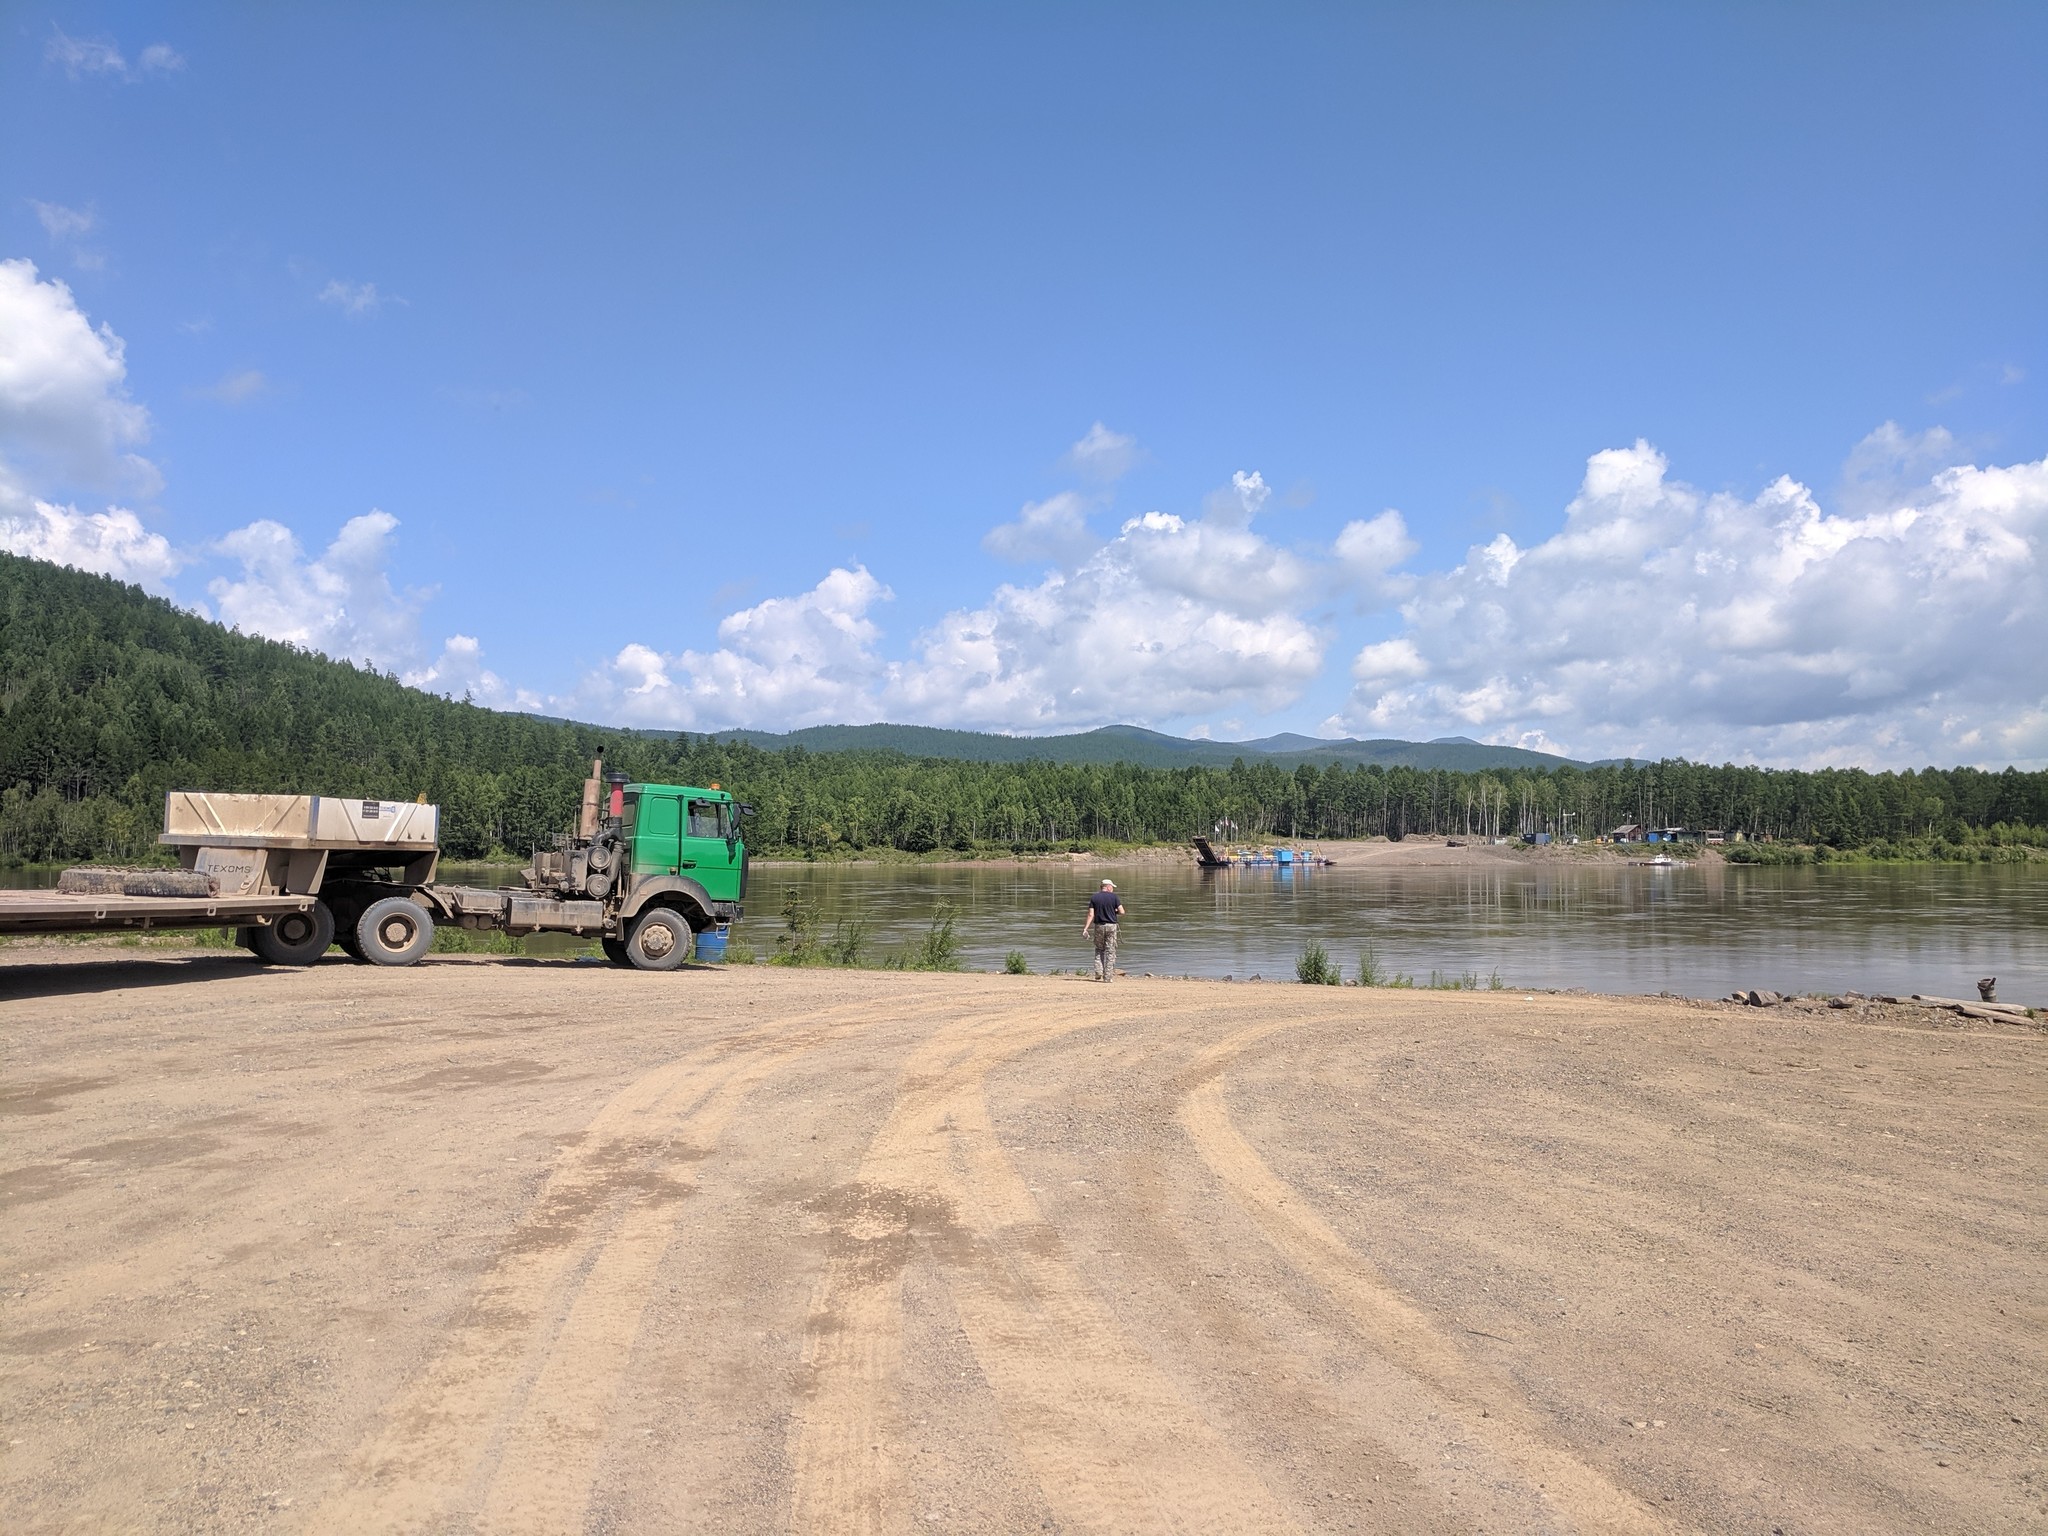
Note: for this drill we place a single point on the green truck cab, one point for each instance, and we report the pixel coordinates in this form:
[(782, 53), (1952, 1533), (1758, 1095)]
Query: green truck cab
[(686, 839)]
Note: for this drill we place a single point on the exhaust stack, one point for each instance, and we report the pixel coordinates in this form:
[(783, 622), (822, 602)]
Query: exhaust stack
[(586, 819)]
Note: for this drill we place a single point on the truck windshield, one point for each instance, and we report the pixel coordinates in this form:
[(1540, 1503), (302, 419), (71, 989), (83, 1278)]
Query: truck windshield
[(710, 818)]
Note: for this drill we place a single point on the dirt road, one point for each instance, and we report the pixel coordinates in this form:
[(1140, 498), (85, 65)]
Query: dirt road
[(513, 1246)]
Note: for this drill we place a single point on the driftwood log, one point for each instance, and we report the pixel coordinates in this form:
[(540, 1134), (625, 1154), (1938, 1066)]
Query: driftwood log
[(1991, 1013)]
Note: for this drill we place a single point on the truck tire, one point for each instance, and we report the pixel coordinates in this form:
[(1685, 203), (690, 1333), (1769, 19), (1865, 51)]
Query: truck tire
[(294, 938), (615, 951), (394, 931), (660, 941)]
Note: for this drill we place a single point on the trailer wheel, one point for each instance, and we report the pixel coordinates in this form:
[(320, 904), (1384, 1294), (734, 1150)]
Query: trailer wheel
[(394, 931), (660, 941), (294, 938), (615, 951)]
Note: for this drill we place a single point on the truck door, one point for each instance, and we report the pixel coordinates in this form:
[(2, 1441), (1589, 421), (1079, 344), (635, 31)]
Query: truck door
[(655, 832), (708, 841)]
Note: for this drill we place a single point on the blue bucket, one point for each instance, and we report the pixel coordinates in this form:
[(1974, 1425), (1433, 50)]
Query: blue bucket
[(711, 946)]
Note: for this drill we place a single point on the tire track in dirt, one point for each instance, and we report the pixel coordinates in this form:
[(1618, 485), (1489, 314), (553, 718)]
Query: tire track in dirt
[(512, 1414), (1494, 1411), (1109, 1442)]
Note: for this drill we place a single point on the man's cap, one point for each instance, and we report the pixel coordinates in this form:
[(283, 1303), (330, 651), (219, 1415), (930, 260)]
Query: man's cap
[(1109, 885)]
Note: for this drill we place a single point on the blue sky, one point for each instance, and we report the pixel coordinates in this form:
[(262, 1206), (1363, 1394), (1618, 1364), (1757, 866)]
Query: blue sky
[(699, 363)]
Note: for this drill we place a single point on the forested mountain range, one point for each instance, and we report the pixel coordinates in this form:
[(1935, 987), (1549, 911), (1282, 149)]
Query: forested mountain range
[(1149, 749), (110, 697)]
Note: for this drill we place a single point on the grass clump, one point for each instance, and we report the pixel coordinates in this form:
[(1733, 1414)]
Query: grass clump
[(802, 941), (1014, 964), (1468, 981)]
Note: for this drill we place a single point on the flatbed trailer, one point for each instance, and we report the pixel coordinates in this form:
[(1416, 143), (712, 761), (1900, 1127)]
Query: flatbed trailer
[(266, 866), (65, 912)]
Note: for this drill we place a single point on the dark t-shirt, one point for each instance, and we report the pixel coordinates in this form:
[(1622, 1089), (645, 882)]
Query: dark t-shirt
[(1105, 904)]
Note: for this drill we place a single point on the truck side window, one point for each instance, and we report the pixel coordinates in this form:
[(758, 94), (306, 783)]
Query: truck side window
[(707, 818)]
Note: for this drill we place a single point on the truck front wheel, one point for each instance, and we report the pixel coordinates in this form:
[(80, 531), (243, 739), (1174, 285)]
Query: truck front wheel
[(660, 941), (294, 938), (394, 931), (615, 951)]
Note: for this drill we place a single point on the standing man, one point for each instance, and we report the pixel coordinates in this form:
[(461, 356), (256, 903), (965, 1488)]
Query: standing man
[(1104, 908)]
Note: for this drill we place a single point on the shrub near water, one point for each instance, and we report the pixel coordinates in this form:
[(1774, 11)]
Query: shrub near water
[(1314, 968), (1371, 973), (939, 949)]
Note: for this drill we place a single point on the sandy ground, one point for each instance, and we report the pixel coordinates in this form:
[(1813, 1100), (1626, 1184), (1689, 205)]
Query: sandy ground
[(505, 1245)]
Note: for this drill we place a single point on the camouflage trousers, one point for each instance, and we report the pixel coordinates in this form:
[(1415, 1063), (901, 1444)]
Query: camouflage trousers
[(1105, 951)]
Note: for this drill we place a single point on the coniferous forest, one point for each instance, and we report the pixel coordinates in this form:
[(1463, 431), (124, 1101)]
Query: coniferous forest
[(110, 697)]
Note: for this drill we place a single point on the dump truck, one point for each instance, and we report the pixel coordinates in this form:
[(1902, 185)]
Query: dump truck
[(647, 872)]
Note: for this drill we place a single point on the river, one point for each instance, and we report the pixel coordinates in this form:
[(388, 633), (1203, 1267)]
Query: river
[(1607, 927), (1604, 926)]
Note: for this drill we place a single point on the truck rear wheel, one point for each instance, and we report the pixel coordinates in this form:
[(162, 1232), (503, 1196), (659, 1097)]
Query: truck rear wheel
[(394, 931), (294, 938), (660, 941)]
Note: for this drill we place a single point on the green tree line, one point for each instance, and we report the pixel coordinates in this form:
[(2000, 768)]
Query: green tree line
[(109, 698)]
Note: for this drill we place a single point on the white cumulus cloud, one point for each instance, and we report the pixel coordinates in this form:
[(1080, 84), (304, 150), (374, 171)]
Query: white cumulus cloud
[(1368, 553), (460, 673), (1172, 616), (113, 543), (341, 603), (803, 660), (1666, 620), (65, 414)]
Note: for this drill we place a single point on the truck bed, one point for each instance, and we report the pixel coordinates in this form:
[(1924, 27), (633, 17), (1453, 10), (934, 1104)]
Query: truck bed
[(57, 912)]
